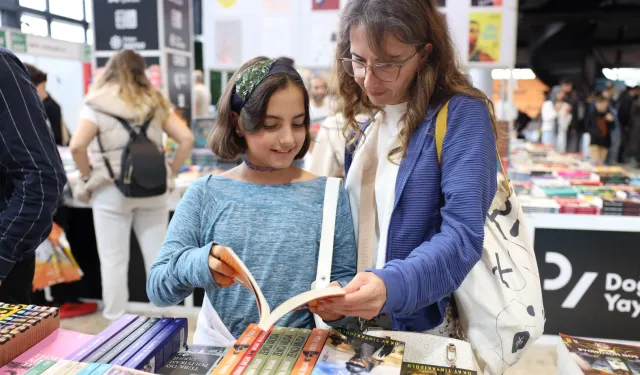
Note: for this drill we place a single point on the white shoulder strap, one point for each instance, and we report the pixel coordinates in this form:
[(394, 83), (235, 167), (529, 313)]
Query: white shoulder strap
[(325, 256)]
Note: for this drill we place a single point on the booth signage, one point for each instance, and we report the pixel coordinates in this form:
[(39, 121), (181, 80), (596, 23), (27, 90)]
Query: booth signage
[(3, 39), (179, 82), (177, 24), (18, 42), (131, 24), (590, 288)]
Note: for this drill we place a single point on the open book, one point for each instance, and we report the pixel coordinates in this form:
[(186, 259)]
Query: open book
[(267, 317)]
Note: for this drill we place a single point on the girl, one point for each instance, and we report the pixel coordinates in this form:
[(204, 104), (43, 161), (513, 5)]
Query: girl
[(123, 90), (428, 220), (556, 118), (267, 210)]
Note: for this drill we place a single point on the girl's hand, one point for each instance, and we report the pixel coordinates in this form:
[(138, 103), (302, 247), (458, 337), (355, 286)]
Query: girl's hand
[(326, 316), (609, 117), (221, 272), (366, 295)]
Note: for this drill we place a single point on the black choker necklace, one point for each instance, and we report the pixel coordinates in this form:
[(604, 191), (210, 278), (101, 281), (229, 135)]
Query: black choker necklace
[(260, 167)]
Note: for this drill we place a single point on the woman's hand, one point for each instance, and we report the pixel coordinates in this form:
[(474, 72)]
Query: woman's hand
[(609, 117), (221, 272), (366, 295)]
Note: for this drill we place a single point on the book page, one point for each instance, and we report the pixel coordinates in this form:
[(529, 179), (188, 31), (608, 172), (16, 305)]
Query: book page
[(267, 321), (245, 279)]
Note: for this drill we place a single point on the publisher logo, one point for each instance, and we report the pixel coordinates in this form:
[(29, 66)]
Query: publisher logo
[(615, 286)]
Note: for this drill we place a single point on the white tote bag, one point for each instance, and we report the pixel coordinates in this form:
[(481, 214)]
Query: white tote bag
[(500, 302)]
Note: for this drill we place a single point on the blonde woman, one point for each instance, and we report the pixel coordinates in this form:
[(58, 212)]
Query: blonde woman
[(123, 90)]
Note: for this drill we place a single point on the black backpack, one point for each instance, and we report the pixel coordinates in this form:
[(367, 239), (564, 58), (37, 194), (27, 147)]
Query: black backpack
[(143, 171)]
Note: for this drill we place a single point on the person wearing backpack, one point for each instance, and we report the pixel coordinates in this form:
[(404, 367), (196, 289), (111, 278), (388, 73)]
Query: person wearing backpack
[(421, 178), (127, 178)]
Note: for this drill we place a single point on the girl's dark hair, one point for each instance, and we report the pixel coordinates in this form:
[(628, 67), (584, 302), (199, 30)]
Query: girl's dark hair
[(37, 75), (417, 22), (224, 140)]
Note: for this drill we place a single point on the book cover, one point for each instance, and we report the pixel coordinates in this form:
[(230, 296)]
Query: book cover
[(84, 368), (237, 351), (180, 339), (310, 353), (292, 354), (152, 356), (128, 341), (277, 356), (119, 370), (41, 367), (56, 346), (83, 352), (265, 351), (64, 370), (23, 326), (129, 352), (196, 360), (578, 356), (251, 353), (350, 352), (418, 369)]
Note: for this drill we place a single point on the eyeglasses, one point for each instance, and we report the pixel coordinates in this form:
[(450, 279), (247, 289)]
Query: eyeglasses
[(387, 72)]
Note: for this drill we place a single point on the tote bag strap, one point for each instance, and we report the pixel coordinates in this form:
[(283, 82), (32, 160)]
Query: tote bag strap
[(441, 131), (330, 209)]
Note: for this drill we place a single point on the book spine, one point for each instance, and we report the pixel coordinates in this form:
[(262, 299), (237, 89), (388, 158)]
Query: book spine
[(311, 352), (102, 337), (265, 351), (124, 344), (115, 340), (180, 340), (151, 357), (101, 369), (41, 367), (292, 354), (88, 369), (56, 367), (129, 352), (251, 353), (237, 351), (277, 356), (171, 346)]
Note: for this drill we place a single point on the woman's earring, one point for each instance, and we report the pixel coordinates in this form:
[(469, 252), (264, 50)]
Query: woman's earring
[(238, 132)]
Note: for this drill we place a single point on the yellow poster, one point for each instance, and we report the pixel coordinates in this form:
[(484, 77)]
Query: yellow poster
[(485, 33), (227, 3)]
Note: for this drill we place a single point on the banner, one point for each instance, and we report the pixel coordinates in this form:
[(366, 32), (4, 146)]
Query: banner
[(126, 25)]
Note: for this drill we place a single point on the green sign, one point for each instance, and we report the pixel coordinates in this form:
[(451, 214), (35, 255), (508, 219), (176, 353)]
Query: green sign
[(18, 42), (88, 53), (3, 39)]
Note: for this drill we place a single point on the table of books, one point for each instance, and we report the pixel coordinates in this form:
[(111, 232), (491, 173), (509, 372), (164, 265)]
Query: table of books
[(584, 221), (31, 343)]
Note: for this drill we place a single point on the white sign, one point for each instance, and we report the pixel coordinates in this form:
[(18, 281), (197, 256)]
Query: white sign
[(37, 45)]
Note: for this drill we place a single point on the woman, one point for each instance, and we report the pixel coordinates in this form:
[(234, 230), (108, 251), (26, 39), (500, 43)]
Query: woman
[(398, 58), (123, 90)]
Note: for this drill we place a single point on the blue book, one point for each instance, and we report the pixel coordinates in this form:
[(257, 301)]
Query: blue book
[(105, 348), (153, 355), (102, 337), (128, 341), (128, 353)]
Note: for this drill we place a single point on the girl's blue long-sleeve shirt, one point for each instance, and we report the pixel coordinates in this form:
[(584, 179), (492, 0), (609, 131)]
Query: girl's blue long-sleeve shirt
[(274, 229)]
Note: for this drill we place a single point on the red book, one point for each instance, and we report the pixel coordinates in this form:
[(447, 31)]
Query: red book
[(251, 353)]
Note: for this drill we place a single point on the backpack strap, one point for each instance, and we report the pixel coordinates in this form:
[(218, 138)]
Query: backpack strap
[(441, 129), (147, 122), (104, 157)]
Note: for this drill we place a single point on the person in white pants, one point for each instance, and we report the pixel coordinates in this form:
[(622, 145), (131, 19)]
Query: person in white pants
[(556, 117), (123, 90)]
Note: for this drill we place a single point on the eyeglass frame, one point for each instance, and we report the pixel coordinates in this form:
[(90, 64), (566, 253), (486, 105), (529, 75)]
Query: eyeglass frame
[(400, 65)]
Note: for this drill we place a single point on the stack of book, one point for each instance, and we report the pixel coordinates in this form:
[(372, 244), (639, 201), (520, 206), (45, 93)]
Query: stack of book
[(23, 326), (621, 207), (576, 206), (290, 351)]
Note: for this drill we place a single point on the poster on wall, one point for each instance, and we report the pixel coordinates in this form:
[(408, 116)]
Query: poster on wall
[(177, 24), (126, 25), (276, 6), (486, 3), (179, 84), (227, 3), (325, 4), (485, 34), (228, 42)]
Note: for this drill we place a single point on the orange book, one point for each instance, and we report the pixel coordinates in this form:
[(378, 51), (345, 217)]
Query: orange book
[(238, 351), (312, 349), (251, 353)]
